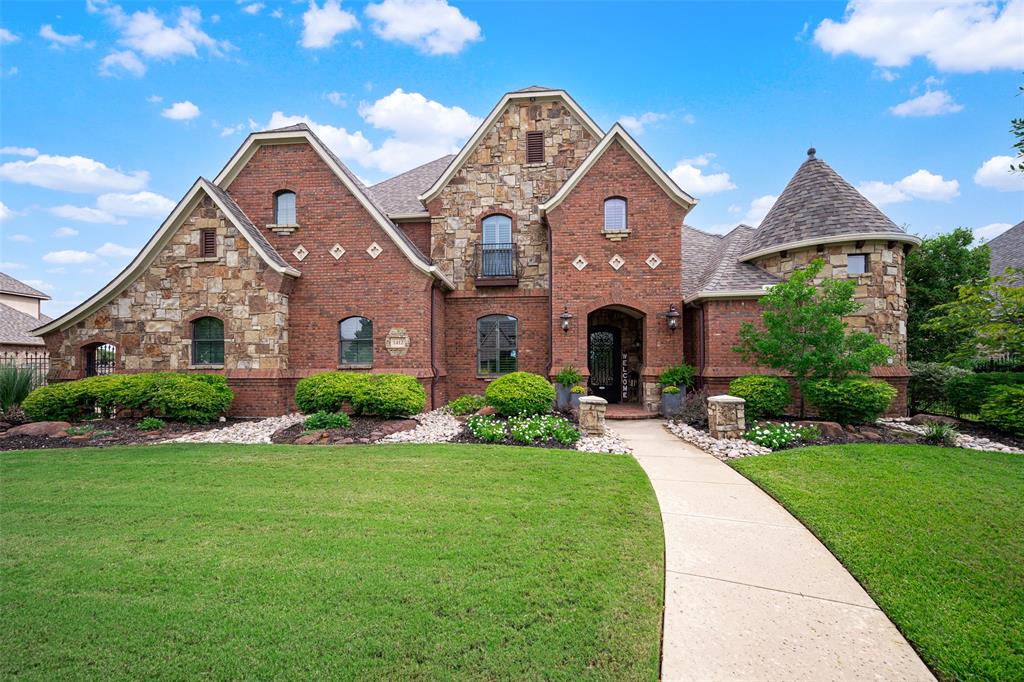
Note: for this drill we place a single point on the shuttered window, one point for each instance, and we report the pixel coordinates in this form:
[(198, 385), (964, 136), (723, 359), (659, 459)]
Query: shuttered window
[(614, 214), (208, 243), (496, 340), (355, 342), (207, 341), (535, 147), (284, 208)]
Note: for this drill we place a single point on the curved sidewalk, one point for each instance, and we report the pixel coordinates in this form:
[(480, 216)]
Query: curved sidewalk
[(750, 594)]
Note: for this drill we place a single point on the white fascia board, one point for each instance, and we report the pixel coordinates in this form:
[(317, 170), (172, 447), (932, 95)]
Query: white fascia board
[(855, 237), (725, 293), (467, 148)]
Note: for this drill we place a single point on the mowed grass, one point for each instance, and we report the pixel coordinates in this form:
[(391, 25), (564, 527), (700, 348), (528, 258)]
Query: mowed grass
[(935, 535), (382, 562)]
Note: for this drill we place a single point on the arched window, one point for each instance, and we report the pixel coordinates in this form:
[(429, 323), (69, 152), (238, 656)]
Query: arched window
[(497, 250), (496, 341), (284, 208), (100, 358), (207, 341), (615, 214), (355, 342)]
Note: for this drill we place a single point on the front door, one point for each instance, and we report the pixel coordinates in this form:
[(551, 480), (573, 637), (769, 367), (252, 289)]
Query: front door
[(603, 362)]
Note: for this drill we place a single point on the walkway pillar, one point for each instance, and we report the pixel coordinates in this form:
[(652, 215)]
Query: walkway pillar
[(592, 409), (726, 416)]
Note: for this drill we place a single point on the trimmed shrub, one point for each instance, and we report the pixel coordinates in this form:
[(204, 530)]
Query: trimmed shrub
[(15, 385), (966, 394), (1004, 409), (850, 401), (327, 420), (520, 393), (328, 391), (928, 382), (184, 398), (766, 396), (679, 375), (390, 395), (466, 404)]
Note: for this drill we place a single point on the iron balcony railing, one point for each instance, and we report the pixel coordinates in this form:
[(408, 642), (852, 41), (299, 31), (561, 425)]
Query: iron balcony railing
[(496, 262)]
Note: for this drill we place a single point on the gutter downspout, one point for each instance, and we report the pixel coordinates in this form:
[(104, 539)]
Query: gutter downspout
[(433, 344), (551, 300)]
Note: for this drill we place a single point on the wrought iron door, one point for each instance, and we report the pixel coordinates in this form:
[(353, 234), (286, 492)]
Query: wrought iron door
[(602, 360)]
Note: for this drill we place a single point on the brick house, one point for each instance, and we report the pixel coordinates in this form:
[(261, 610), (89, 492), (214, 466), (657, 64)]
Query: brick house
[(544, 242)]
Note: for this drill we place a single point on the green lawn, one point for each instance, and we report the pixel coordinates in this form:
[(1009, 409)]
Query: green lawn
[(396, 562), (935, 535)]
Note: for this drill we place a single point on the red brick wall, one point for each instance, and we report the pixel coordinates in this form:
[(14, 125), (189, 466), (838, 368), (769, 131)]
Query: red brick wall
[(419, 233)]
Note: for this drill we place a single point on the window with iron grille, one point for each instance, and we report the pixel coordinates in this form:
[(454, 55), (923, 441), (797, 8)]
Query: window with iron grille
[(496, 338), (355, 342), (498, 251), (615, 214), (208, 243), (207, 341), (535, 146), (284, 208)]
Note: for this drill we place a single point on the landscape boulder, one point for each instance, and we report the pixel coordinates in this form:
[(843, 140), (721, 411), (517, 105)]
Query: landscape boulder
[(51, 429), (828, 430)]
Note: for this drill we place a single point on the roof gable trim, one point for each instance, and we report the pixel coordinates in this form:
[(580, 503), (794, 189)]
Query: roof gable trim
[(834, 239)]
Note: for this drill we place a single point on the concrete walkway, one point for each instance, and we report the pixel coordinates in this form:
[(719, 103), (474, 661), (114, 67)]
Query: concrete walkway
[(750, 594)]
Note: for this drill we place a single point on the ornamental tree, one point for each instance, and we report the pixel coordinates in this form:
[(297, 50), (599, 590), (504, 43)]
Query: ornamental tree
[(804, 333)]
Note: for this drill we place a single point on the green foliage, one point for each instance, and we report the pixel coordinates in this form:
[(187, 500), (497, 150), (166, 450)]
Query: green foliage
[(86, 430), (487, 428), (966, 393), (766, 396), (181, 397), (569, 376), (1004, 409), (579, 390), (466, 404), (809, 433), (679, 375), (327, 420), (804, 333), (940, 433), (520, 393), (934, 270), (986, 318), (541, 428), (328, 391), (773, 436), (150, 424), (928, 385), (671, 390), (390, 395), (850, 401), (15, 385)]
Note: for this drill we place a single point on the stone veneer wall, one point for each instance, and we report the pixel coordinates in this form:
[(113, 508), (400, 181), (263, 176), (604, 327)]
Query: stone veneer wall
[(148, 321), (496, 178)]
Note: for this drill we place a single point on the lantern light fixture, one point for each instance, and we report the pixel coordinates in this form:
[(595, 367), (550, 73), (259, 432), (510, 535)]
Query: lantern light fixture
[(673, 317), (566, 317)]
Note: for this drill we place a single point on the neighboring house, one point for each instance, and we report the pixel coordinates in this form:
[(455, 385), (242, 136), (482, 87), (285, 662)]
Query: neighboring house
[(1007, 250), (544, 242), (19, 315)]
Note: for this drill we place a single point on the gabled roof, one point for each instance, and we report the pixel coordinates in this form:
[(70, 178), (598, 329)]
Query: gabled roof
[(1007, 250), (301, 132), (820, 207), (534, 92), (9, 285), (619, 134), (15, 327), (399, 196), (712, 267), (167, 229)]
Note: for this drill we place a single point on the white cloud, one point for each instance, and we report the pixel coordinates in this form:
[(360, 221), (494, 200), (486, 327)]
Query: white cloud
[(277, 13), (432, 26), (146, 33), (991, 231), (689, 175), (69, 257), (30, 152), (888, 75), (931, 103), (59, 40), (758, 209), (13, 71), (921, 184), (120, 63), (336, 98), (226, 131), (689, 119), (349, 146), (154, 99), (253, 8), (5, 213), (636, 124), (71, 174), (11, 265), (954, 35), (995, 173), (65, 232), (110, 250), (7, 37), (24, 238), (85, 214), (181, 111), (320, 25), (138, 204)]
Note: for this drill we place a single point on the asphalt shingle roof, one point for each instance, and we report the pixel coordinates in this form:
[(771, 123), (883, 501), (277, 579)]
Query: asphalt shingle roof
[(9, 285), (16, 325), (1007, 250), (399, 194), (818, 203), (711, 263)]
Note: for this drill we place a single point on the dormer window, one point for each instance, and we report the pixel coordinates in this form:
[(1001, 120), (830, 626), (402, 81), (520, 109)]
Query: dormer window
[(615, 223), (284, 208)]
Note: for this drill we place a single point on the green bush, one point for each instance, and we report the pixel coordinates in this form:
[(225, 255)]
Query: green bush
[(966, 394), (15, 385), (520, 393), (1004, 409), (928, 384), (850, 401), (390, 395), (328, 391), (466, 404), (939, 433), (180, 397), (327, 420), (578, 390), (150, 424), (766, 396), (568, 376), (679, 375), (671, 390)]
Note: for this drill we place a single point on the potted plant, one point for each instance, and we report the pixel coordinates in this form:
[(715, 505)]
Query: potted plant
[(566, 379), (574, 396), (671, 401), (679, 376)]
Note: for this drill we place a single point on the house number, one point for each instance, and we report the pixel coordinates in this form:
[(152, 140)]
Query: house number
[(397, 342)]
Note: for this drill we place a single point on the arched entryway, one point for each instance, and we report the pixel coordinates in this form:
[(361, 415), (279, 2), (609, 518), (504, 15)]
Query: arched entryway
[(615, 353), (99, 358)]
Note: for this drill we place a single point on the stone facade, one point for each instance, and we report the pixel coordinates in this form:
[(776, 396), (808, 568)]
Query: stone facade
[(726, 416)]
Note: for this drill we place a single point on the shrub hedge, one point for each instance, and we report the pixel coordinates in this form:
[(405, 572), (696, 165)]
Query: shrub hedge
[(766, 396), (966, 393), (928, 384), (466, 404), (192, 398), (850, 401), (1004, 409), (520, 393), (385, 395)]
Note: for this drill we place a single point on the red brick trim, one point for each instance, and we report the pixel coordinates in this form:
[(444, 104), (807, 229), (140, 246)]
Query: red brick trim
[(495, 210)]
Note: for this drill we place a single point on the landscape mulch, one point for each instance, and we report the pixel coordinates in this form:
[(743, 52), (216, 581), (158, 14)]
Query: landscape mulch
[(107, 432)]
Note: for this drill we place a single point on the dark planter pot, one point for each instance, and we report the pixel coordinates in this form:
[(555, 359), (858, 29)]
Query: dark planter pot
[(672, 403), (574, 401), (563, 397)]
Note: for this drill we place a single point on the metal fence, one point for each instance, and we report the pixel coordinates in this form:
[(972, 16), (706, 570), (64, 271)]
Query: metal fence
[(37, 361)]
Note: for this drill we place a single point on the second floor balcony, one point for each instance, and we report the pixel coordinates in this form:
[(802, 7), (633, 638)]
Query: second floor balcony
[(496, 265)]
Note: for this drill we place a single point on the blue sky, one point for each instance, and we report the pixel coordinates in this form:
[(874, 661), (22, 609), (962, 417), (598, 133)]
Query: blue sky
[(109, 111)]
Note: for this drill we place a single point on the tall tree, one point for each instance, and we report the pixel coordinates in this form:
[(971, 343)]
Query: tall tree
[(1017, 129), (804, 333), (934, 270), (986, 318)]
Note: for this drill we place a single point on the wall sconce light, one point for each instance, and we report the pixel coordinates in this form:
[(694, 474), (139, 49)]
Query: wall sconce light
[(566, 316), (673, 317)]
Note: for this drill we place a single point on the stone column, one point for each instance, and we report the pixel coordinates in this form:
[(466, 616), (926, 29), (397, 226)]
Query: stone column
[(592, 409), (725, 416)]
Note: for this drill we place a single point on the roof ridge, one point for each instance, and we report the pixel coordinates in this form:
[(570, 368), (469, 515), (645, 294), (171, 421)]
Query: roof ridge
[(13, 285)]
